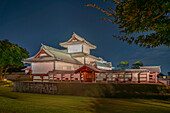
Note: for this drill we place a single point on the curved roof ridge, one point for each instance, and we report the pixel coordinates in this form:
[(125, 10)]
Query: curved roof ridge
[(54, 49), (80, 39)]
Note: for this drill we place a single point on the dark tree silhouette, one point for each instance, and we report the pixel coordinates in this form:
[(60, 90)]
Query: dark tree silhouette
[(10, 57), (134, 16)]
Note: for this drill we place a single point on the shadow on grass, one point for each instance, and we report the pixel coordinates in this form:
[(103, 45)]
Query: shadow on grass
[(128, 91), (119, 105)]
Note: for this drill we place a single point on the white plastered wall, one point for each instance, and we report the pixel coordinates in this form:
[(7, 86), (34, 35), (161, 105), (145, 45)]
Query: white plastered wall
[(75, 48), (86, 49), (80, 59), (42, 67), (87, 59), (65, 66)]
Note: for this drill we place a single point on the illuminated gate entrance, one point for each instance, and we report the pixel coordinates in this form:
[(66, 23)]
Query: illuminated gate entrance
[(88, 76), (87, 73)]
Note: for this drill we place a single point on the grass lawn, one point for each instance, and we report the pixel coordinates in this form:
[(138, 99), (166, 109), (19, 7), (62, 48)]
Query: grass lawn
[(14, 102)]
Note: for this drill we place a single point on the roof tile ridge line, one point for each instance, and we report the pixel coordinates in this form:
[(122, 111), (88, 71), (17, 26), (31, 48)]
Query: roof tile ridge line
[(84, 40), (89, 43), (61, 52), (48, 51), (93, 56), (68, 43), (73, 35), (52, 53), (78, 36), (42, 45), (56, 49)]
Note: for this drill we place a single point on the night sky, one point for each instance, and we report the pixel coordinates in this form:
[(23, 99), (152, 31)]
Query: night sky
[(29, 23)]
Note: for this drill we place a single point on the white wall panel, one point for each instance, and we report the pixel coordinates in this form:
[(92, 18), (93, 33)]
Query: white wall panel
[(86, 49), (74, 48), (45, 77), (42, 67), (65, 66), (36, 77)]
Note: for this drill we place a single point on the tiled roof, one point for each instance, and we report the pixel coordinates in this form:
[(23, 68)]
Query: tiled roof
[(56, 55), (80, 41), (88, 66), (81, 54), (39, 59), (152, 68), (103, 64), (137, 70)]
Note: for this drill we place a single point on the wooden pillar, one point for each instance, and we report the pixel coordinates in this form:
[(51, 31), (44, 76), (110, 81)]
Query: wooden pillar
[(92, 76), (80, 76), (156, 79), (61, 77), (95, 77), (131, 76), (106, 76), (147, 76), (32, 77), (139, 77), (70, 77)]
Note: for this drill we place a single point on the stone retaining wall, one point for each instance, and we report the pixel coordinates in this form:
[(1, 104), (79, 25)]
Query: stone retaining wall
[(93, 89), (35, 87)]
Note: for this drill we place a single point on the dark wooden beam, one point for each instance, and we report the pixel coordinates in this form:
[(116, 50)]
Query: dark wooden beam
[(80, 76), (139, 77)]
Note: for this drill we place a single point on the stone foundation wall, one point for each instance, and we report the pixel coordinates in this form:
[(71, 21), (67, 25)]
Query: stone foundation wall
[(35, 87), (93, 89)]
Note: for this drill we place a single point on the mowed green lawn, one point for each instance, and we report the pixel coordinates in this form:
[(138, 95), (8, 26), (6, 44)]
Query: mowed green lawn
[(14, 102)]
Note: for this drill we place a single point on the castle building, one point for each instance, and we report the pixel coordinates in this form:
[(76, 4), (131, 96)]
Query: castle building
[(76, 54), (75, 63)]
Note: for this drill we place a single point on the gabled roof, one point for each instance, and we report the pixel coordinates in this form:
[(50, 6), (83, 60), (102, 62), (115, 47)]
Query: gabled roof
[(79, 40), (152, 68), (137, 70), (87, 67), (55, 54), (103, 64)]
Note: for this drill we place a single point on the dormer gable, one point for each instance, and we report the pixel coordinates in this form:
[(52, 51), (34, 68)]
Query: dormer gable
[(42, 53), (73, 39), (77, 44), (76, 39)]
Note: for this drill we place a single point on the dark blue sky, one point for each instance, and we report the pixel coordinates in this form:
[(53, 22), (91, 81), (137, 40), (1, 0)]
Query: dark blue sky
[(29, 23)]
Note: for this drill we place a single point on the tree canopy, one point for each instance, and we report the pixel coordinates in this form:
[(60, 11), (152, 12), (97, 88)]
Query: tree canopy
[(123, 65), (137, 65), (10, 57), (134, 16)]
